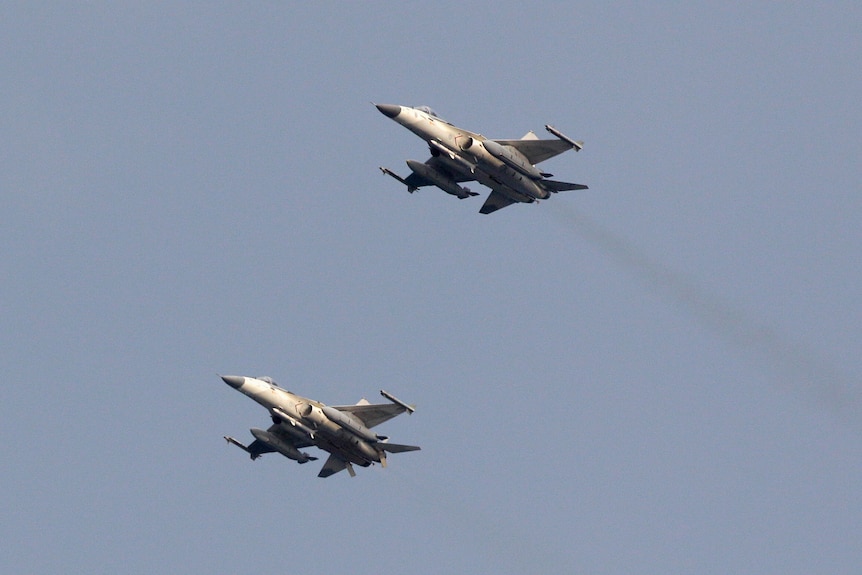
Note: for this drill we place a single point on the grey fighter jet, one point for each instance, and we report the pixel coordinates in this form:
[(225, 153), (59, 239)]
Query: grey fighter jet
[(297, 422), (508, 167)]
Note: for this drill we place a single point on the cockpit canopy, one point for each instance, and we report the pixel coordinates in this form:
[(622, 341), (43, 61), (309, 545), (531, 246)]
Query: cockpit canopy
[(432, 113), (270, 381), (427, 110)]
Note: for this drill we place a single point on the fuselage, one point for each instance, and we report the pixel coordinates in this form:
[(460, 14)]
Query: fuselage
[(307, 419), (464, 152)]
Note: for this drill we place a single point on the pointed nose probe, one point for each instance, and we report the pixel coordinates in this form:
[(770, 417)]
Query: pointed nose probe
[(235, 381), (389, 110)]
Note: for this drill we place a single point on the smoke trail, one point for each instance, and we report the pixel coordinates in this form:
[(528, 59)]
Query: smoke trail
[(475, 529), (797, 367)]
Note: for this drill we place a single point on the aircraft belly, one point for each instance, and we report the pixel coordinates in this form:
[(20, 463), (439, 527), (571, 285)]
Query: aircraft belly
[(506, 180), (492, 181), (340, 442), (457, 169), (521, 185), (512, 194), (349, 454), (298, 422), (327, 446), (345, 454), (488, 171)]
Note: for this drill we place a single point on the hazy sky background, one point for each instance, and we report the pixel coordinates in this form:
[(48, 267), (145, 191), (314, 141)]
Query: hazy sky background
[(660, 374)]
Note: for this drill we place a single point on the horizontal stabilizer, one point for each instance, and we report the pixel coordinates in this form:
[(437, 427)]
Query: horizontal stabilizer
[(554, 186), (398, 448)]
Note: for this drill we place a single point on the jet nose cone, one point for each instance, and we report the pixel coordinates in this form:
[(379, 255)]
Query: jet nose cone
[(235, 381), (389, 110)]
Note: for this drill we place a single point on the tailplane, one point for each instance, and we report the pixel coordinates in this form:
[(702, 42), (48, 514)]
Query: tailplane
[(555, 186), (398, 448)]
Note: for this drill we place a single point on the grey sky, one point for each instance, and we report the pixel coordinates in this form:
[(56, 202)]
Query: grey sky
[(656, 375)]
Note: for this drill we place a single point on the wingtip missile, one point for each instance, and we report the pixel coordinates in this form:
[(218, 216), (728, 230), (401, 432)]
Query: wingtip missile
[(239, 444), (236, 442), (389, 172), (578, 146), (395, 400)]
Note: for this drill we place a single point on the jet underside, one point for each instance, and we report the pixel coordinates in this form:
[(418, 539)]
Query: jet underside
[(507, 167), (298, 422)]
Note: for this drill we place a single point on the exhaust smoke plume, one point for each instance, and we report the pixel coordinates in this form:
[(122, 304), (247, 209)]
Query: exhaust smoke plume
[(792, 364)]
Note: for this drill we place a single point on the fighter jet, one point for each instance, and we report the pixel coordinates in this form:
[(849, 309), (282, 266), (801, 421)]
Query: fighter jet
[(508, 167), (297, 422)]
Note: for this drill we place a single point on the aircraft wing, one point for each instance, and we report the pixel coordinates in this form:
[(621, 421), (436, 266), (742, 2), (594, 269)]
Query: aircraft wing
[(258, 447), (373, 414), (496, 201), (537, 150), (457, 175), (332, 466), (414, 180)]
